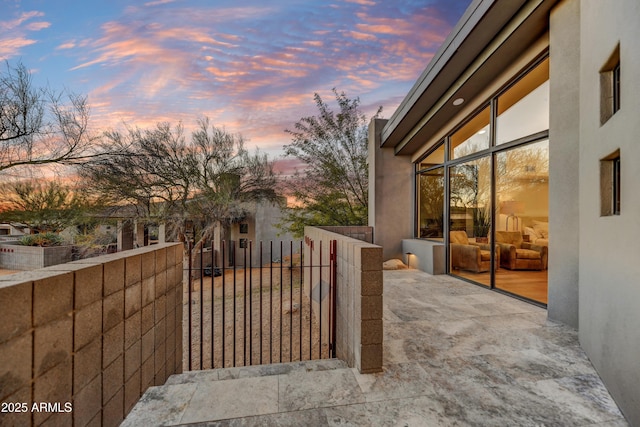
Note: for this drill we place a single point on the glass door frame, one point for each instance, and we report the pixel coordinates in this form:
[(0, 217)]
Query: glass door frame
[(491, 152)]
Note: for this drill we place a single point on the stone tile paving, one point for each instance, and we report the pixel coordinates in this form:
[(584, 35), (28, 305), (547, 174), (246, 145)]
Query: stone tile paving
[(455, 354)]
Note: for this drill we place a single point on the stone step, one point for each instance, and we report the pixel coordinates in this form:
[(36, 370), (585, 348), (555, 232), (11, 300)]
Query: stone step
[(224, 374), (220, 394)]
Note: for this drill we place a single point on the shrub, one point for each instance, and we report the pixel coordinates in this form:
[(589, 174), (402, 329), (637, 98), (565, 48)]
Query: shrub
[(44, 239)]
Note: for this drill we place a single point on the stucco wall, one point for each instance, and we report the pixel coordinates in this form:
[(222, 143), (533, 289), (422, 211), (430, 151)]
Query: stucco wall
[(425, 255), (564, 162), (94, 333), (610, 245), (261, 221), (391, 194)]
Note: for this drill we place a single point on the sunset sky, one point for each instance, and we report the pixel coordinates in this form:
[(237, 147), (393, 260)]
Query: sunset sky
[(251, 66)]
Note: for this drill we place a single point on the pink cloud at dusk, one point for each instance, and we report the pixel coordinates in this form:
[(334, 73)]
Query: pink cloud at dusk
[(13, 33), (250, 66)]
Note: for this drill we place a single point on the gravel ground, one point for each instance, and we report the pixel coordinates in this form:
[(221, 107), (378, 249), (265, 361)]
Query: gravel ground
[(254, 345)]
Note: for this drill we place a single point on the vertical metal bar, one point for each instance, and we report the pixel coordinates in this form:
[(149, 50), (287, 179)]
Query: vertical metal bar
[(301, 287), (235, 298), (213, 302), (190, 297), (244, 301), (201, 307), (271, 302), (261, 302), (224, 291), (281, 308), (320, 305), (250, 304), (291, 301), (310, 300), (330, 299), (334, 280)]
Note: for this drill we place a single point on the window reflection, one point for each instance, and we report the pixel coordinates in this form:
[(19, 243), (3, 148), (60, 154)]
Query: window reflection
[(524, 108), (433, 159), (503, 187), (522, 220), (470, 220), (431, 204), (472, 137)]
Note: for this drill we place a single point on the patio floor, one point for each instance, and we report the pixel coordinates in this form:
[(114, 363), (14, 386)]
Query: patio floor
[(455, 354)]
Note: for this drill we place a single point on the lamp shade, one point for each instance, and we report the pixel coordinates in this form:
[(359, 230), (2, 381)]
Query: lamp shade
[(511, 207)]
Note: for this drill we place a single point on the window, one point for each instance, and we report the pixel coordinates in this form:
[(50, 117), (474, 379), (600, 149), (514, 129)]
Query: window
[(616, 88), (431, 204), (616, 186), (435, 158), (523, 109), (484, 192), (610, 90), (610, 184), (244, 243), (244, 228), (472, 137)]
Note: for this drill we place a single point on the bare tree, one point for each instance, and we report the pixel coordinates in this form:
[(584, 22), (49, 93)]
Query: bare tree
[(39, 126)]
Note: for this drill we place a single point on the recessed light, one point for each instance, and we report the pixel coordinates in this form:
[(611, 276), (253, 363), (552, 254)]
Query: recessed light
[(482, 131), (458, 101)]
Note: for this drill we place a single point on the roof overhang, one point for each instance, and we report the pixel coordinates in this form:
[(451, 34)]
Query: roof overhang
[(491, 35)]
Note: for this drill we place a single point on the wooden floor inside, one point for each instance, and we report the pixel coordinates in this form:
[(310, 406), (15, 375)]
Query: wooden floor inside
[(525, 283)]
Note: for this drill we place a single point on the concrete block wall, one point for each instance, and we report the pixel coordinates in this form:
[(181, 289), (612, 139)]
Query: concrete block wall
[(14, 256), (359, 299), (362, 232), (93, 334)]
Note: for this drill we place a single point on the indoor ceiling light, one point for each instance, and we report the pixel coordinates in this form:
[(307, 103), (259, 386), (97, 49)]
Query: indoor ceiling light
[(458, 101)]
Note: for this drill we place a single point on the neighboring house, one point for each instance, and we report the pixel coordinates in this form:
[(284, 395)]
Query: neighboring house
[(259, 225), (512, 163), (12, 231)]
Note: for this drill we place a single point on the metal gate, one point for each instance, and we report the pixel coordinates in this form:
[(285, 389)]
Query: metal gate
[(275, 303)]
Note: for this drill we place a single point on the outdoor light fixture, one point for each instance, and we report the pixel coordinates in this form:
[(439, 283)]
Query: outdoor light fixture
[(408, 254), (458, 101)]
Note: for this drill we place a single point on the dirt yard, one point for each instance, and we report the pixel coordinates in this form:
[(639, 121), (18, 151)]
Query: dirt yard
[(4, 272), (273, 296)]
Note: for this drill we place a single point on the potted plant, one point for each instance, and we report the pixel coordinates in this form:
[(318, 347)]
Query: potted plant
[(481, 224)]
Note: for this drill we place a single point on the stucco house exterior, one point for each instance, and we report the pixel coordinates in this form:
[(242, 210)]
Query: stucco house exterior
[(512, 163)]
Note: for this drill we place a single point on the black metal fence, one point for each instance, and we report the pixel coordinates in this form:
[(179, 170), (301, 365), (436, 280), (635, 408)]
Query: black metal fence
[(265, 311)]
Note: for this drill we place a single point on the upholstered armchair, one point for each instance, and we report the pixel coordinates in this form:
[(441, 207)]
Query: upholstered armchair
[(518, 255), (471, 256)]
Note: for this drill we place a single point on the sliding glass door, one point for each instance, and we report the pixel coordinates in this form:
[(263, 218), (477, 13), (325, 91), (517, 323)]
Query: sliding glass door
[(470, 220), (483, 190), (522, 220)]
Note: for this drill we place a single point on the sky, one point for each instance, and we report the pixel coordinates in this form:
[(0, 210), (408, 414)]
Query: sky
[(250, 66)]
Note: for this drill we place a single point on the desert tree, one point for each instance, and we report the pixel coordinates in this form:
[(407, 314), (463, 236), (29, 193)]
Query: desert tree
[(38, 125), (331, 188), (44, 206), (169, 178)]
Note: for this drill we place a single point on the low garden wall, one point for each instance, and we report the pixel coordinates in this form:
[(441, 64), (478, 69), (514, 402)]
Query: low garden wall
[(14, 256), (359, 232), (89, 337), (359, 297)]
